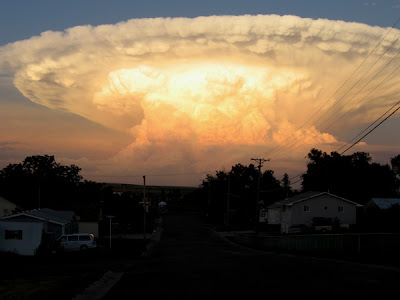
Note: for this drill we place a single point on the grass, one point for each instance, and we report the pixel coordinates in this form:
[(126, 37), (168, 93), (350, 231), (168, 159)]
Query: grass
[(62, 275)]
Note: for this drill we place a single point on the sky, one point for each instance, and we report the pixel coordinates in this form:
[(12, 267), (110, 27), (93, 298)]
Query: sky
[(177, 89)]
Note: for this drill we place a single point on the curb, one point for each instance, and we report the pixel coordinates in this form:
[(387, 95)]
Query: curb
[(100, 288)]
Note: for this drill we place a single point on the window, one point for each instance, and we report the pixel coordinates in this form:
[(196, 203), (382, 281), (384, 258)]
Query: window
[(13, 234), (340, 208), (84, 238), (306, 208), (73, 238)]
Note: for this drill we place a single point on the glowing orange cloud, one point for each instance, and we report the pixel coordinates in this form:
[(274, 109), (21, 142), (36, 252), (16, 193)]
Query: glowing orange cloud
[(194, 92)]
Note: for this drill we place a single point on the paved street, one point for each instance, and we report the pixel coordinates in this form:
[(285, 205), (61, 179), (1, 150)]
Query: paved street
[(191, 262)]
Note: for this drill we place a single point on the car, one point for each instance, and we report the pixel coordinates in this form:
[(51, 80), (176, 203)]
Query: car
[(162, 207), (76, 242), (298, 228)]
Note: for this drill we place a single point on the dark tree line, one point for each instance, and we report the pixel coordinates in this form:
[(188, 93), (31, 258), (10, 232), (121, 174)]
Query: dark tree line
[(354, 176), (228, 196), (233, 194), (39, 181)]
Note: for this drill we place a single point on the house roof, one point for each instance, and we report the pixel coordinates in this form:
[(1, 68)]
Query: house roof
[(274, 205), (385, 203), (47, 214), (309, 195), (21, 218)]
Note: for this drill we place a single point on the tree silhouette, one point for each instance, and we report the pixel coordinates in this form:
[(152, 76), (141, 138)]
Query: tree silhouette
[(287, 190), (354, 176), (39, 181), (395, 162), (239, 187)]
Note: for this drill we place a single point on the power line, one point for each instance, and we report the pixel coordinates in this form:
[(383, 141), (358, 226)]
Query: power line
[(371, 130), (374, 77), (369, 126), (359, 80), (294, 141), (356, 142), (362, 99)]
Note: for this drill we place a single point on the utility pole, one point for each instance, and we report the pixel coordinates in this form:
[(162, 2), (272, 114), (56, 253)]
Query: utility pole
[(227, 201), (260, 162), (144, 207), (39, 194), (208, 201)]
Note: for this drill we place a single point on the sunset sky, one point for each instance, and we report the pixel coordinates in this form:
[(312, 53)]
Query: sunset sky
[(177, 89)]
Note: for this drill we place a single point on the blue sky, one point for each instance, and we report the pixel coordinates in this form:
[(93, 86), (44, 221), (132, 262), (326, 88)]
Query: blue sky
[(21, 19)]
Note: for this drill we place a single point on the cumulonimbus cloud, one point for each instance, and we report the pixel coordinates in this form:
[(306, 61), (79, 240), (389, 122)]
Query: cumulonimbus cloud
[(188, 88)]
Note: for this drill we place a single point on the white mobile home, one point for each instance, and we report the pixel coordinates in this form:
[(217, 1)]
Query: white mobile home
[(22, 236), (24, 232)]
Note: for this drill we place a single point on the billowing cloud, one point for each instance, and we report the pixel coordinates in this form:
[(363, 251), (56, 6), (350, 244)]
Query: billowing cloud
[(205, 92)]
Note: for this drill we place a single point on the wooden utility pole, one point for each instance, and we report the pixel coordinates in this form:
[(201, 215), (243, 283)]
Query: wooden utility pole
[(39, 194), (227, 201), (144, 207), (260, 162)]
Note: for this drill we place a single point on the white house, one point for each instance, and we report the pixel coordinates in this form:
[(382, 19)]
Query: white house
[(303, 208), (24, 232)]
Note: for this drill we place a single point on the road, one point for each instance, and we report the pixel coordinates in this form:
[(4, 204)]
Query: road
[(192, 262)]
